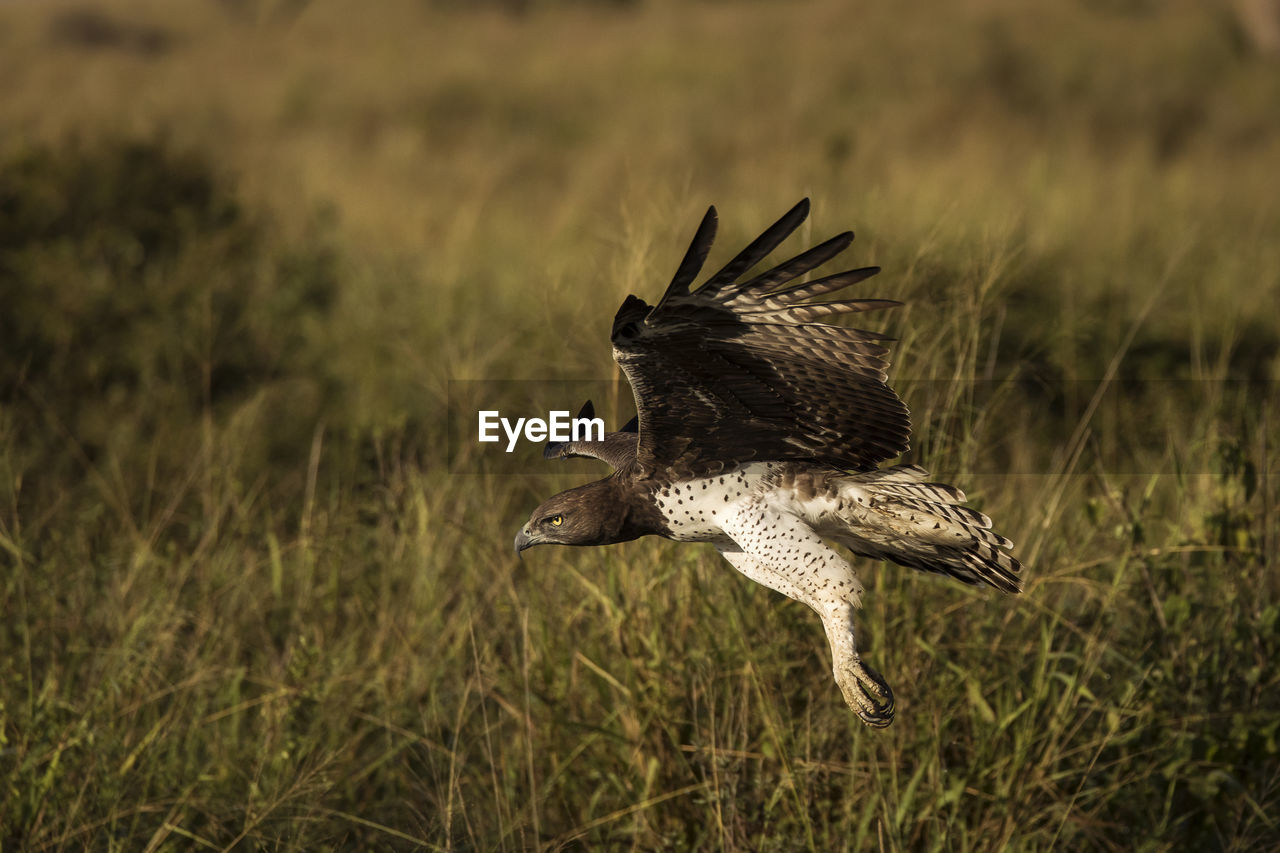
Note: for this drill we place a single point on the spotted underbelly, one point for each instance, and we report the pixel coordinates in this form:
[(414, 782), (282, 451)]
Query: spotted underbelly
[(692, 508)]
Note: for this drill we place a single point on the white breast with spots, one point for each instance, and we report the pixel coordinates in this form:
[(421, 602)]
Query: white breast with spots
[(777, 529), (695, 509)]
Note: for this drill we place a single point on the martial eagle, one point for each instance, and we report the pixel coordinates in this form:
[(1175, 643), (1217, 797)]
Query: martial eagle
[(761, 430)]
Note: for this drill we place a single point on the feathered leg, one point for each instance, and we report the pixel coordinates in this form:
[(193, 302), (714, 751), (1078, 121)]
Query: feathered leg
[(864, 690)]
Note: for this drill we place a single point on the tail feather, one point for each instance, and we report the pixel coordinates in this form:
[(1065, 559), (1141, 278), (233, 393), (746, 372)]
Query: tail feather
[(913, 481), (896, 514)]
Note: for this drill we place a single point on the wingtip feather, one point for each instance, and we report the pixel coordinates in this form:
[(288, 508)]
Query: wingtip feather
[(694, 257), (758, 248)]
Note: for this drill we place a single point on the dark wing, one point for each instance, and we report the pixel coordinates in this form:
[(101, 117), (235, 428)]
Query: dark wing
[(739, 371), (617, 448)]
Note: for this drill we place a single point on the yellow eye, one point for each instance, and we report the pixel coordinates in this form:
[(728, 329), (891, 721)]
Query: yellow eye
[(557, 520)]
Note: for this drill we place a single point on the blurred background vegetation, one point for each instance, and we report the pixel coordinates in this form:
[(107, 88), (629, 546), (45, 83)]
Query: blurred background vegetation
[(245, 246)]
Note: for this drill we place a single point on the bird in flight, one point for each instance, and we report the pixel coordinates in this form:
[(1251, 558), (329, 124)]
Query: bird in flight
[(761, 430)]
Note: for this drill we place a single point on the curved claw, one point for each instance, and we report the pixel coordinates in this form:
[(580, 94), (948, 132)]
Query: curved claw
[(869, 695), (879, 696)]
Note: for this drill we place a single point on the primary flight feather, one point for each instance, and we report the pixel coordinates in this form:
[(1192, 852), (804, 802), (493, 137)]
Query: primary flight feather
[(760, 430)]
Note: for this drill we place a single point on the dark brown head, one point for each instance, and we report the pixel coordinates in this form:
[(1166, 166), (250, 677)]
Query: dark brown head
[(595, 514)]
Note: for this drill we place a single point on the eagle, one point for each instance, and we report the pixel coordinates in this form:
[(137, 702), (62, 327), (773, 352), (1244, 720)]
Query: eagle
[(762, 430)]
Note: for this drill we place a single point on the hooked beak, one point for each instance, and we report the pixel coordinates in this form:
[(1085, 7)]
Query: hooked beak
[(523, 540)]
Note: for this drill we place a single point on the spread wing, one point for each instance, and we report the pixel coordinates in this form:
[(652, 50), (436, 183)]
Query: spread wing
[(740, 370), (616, 448)]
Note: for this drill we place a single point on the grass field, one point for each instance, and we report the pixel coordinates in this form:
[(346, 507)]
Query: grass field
[(250, 602)]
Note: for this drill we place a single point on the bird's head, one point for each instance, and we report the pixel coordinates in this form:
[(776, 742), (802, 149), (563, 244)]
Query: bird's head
[(587, 515)]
